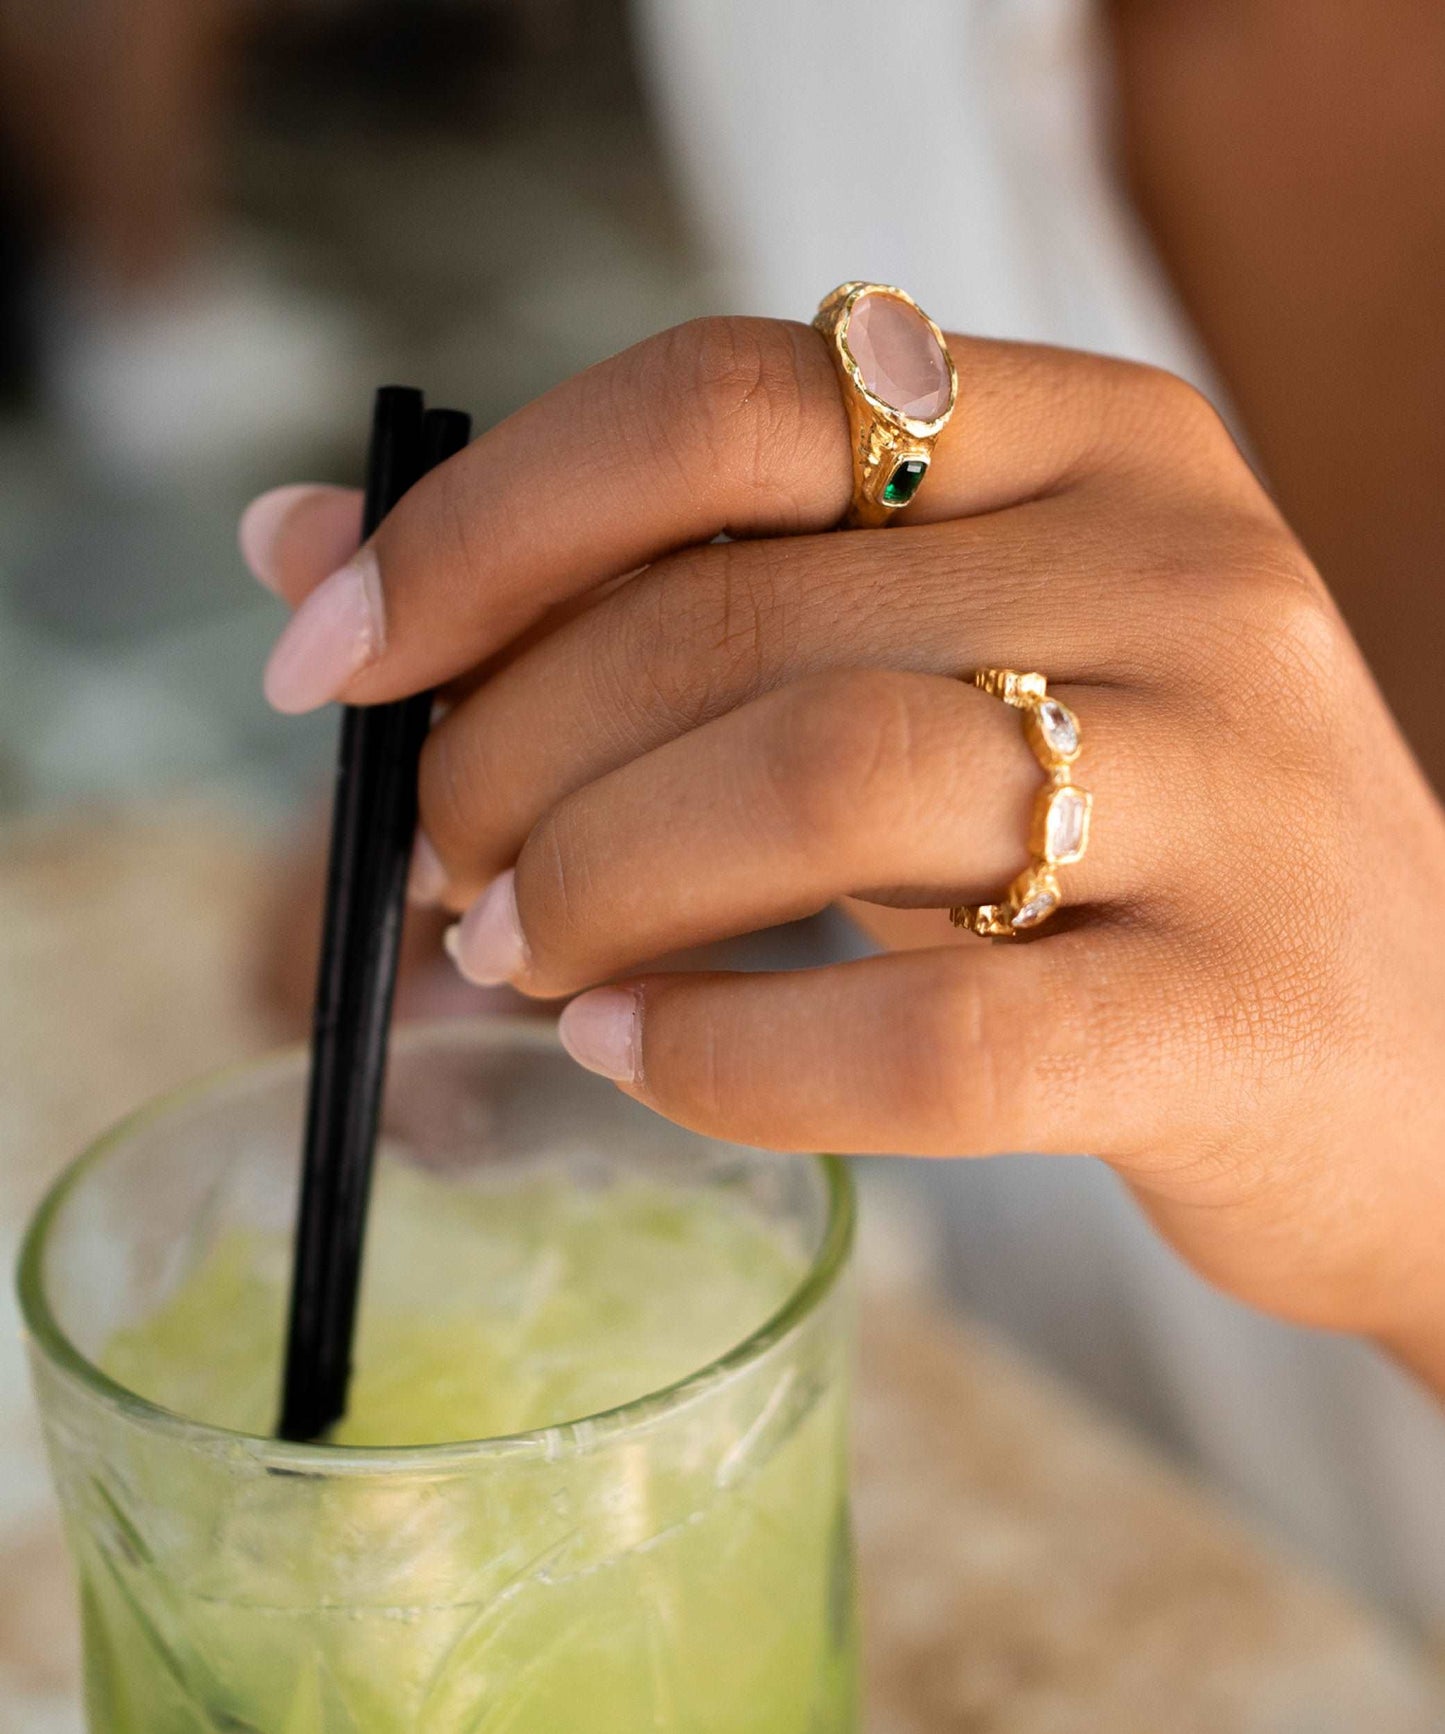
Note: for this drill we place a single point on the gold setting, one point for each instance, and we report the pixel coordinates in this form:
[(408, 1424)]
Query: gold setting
[(1052, 731), (883, 437)]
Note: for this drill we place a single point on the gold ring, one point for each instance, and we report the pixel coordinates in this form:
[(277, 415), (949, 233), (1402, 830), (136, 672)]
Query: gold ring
[(1060, 833), (900, 386)]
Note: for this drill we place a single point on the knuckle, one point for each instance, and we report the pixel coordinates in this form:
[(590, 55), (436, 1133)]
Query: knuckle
[(448, 792), (1284, 637), (840, 755), (430, 549), (554, 893), (1285, 997), (725, 362), (739, 390), (702, 632), (1302, 636), (709, 1092), (1242, 618), (458, 541), (1173, 403), (956, 1058), (991, 1076), (1174, 397), (1156, 413)]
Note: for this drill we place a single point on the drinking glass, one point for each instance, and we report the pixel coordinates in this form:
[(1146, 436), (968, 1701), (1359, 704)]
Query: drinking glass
[(679, 1562)]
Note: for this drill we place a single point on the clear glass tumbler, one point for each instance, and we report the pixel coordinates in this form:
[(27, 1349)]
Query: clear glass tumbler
[(679, 1562)]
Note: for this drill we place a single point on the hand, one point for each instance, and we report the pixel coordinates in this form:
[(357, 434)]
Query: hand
[(656, 741)]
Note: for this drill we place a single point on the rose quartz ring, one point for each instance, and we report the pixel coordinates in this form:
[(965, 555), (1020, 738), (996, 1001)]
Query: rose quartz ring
[(899, 385)]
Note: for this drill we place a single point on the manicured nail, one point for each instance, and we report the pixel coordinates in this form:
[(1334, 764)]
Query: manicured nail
[(257, 530), (601, 1030), (326, 531), (487, 944), (427, 879), (332, 636)]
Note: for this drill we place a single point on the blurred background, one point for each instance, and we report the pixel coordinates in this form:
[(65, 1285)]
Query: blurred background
[(221, 224)]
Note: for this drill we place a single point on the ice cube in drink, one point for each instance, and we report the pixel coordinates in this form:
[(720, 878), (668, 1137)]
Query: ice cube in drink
[(681, 1566)]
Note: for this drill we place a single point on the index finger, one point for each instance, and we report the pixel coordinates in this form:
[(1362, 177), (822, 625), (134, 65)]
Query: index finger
[(721, 425)]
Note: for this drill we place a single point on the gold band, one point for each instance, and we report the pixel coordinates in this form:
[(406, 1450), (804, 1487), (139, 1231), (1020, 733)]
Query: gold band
[(1060, 833), (899, 385)]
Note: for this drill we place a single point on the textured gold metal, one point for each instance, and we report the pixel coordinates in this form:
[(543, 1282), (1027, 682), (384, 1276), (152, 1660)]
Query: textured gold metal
[(1052, 731), (882, 436)]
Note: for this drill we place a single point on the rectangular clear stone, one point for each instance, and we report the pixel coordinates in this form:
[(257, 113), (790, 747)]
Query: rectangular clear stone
[(1064, 828)]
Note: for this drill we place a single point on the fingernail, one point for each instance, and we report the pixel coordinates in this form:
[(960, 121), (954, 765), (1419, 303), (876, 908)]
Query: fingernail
[(487, 944), (257, 529), (601, 1030), (333, 635), (427, 879)]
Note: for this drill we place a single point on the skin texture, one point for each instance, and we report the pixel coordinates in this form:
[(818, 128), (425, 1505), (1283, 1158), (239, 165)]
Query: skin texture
[(676, 742)]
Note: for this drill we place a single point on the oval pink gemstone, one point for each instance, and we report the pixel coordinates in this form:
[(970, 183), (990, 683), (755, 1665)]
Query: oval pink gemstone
[(898, 356)]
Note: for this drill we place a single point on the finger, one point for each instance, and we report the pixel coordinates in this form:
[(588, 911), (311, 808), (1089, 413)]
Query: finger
[(730, 426), (292, 537), (1068, 1045), (707, 630), (908, 787)]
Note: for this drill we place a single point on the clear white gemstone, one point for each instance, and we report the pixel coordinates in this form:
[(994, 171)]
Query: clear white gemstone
[(1059, 727), (1064, 828), (1037, 907)]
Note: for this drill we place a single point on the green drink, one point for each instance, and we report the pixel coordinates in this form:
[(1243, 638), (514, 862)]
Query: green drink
[(644, 1332)]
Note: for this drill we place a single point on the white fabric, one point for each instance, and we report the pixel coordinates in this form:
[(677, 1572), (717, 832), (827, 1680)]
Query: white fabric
[(991, 200)]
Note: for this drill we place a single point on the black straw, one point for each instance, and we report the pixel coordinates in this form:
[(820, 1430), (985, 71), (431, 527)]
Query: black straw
[(372, 828)]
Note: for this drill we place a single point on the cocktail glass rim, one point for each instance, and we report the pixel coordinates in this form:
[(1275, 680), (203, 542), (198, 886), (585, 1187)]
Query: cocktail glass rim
[(818, 1280)]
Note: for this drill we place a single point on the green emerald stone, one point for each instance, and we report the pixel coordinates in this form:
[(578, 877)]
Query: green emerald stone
[(903, 484)]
